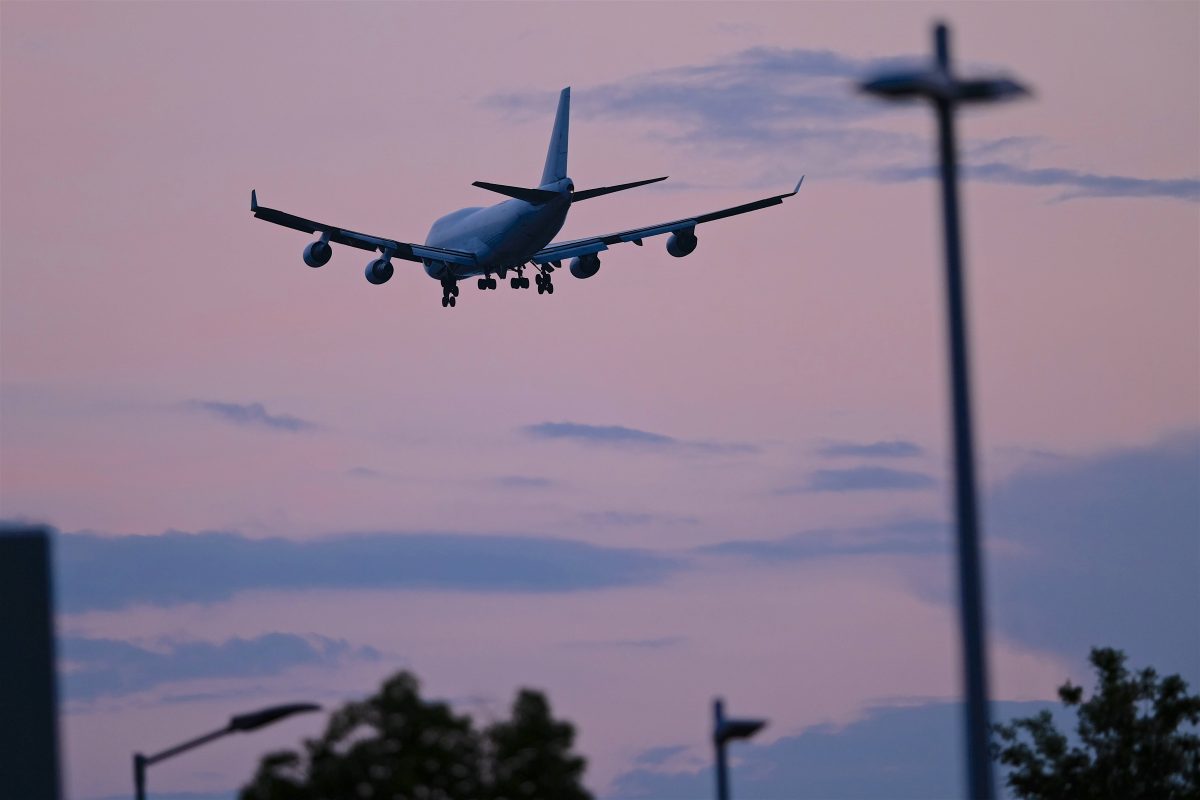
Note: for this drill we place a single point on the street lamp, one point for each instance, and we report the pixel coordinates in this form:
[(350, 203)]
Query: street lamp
[(239, 724), (725, 730), (945, 91)]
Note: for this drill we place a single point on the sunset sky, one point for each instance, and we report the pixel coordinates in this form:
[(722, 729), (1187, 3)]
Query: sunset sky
[(682, 478)]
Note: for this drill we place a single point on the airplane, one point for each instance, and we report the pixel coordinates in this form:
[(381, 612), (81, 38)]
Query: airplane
[(511, 236)]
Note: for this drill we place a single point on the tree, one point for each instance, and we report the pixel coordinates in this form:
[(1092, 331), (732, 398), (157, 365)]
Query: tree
[(397, 746), (531, 755), (1137, 738)]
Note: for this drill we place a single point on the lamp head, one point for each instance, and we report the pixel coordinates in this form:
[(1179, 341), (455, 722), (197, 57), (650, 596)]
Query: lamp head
[(909, 84), (257, 719), (731, 729)]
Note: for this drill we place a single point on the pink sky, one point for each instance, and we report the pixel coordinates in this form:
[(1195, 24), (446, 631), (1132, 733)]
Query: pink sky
[(134, 280)]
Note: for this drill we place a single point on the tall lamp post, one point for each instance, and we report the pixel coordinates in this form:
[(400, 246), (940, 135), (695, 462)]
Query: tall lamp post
[(724, 731), (945, 91), (239, 724)]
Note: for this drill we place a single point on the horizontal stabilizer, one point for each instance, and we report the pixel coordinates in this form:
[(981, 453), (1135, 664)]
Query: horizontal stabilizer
[(528, 195), (587, 194)]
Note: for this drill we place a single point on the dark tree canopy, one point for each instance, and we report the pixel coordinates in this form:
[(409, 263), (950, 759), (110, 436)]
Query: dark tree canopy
[(531, 754), (1136, 738), (397, 746)]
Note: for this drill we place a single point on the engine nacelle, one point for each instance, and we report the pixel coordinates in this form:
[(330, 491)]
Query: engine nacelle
[(680, 243), (379, 271), (318, 254), (585, 266)]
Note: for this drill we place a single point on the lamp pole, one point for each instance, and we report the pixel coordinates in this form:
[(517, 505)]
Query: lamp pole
[(945, 91), (239, 724), (724, 731)]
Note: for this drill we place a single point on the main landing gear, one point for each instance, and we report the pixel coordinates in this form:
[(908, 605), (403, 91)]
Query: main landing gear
[(544, 283), (449, 292), (487, 283), (519, 282)]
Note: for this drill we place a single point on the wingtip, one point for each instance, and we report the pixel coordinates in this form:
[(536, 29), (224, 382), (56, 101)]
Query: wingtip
[(253, 200), (798, 183)]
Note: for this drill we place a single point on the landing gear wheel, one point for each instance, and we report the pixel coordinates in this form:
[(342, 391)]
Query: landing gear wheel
[(541, 288), (449, 292), (483, 284), (549, 287), (514, 283)]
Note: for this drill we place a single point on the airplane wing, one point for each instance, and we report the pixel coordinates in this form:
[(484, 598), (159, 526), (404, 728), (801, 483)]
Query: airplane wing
[(578, 247), (388, 247)]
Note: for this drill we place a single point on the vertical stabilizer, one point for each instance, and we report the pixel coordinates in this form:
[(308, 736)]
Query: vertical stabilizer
[(556, 156)]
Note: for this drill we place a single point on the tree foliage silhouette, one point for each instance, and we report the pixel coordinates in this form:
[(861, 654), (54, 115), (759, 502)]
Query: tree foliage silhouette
[(531, 753), (396, 745), (1137, 738)]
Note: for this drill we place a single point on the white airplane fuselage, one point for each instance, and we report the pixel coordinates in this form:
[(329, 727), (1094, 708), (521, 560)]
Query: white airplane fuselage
[(502, 237)]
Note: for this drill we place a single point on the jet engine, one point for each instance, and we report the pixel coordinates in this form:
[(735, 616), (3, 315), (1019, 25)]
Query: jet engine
[(318, 253), (585, 266), (379, 271), (680, 243)]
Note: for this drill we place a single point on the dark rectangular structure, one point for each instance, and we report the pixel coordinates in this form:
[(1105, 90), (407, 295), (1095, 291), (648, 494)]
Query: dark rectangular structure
[(28, 695)]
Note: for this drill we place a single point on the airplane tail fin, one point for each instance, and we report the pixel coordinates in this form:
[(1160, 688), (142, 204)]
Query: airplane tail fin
[(556, 155)]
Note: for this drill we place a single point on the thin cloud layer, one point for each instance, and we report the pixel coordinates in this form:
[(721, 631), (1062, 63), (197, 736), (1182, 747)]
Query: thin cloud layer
[(523, 482), (863, 479), (755, 103), (901, 537), (111, 572), (251, 415), (112, 668), (896, 448), (1073, 183), (632, 438)]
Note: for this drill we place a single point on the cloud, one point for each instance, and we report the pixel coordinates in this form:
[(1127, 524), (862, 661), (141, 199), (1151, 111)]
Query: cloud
[(1075, 184), (97, 572), (253, 415), (890, 754), (523, 482), (896, 448), (366, 472), (657, 755), (1107, 552), (863, 479), (598, 434), (112, 668), (901, 537), (620, 436), (780, 107), (1082, 552)]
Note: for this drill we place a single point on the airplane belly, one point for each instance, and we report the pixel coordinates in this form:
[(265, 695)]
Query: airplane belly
[(502, 236)]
